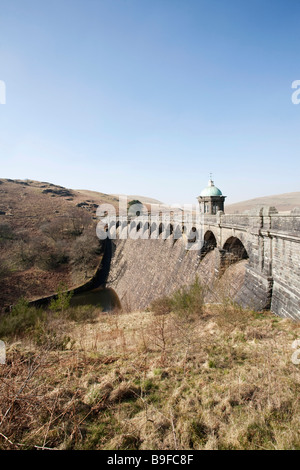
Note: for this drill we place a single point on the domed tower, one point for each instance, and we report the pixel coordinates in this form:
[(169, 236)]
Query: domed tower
[(211, 199)]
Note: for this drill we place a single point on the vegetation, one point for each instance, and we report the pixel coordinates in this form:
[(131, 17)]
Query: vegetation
[(134, 201), (187, 302), (62, 300), (219, 377), (51, 238), (20, 320)]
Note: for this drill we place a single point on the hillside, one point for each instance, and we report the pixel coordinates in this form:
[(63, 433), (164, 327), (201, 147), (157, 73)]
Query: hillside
[(143, 199), (47, 238), (282, 202)]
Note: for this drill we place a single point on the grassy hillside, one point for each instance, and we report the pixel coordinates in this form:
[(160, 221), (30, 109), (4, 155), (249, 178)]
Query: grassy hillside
[(47, 237), (182, 376), (282, 202)]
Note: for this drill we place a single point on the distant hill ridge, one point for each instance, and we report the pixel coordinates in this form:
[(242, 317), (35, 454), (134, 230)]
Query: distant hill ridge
[(283, 203)]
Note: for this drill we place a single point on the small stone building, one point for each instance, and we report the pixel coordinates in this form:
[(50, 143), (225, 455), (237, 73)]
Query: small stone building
[(211, 199)]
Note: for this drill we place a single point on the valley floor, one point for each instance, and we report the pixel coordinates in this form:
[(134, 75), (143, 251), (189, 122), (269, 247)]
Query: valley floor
[(90, 380)]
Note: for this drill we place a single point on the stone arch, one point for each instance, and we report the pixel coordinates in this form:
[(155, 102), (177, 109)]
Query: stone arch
[(236, 247), (209, 243), (161, 229), (232, 252), (210, 240)]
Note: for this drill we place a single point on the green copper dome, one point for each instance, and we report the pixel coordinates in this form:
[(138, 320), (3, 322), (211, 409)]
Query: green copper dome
[(211, 190)]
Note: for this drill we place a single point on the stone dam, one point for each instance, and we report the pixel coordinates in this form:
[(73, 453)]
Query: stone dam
[(252, 258)]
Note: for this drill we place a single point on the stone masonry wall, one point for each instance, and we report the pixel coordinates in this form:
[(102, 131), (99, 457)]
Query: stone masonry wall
[(286, 276), (143, 270)]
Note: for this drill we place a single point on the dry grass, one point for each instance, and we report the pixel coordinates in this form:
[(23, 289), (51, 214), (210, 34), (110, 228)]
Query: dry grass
[(145, 381)]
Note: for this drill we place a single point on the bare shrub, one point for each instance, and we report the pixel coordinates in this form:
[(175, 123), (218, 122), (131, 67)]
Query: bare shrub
[(78, 221), (56, 256), (161, 306), (30, 249), (55, 229), (161, 333), (42, 252), (83, 251), (186, 305)]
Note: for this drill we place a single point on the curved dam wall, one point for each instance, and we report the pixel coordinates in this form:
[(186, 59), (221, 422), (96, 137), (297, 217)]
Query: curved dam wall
[(144, 270)]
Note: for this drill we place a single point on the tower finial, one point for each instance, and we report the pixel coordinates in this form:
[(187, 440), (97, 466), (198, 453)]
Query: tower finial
[(210, 183)]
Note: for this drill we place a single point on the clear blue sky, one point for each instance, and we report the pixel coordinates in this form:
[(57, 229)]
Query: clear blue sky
[(150, 96)]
